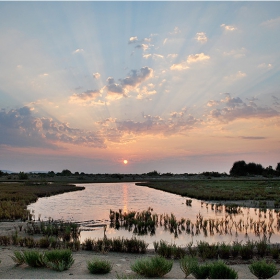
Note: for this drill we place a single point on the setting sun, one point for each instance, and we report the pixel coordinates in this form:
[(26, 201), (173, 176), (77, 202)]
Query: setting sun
[(125, 161)]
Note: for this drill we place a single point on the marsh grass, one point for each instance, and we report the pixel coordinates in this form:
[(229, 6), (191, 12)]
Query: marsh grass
[(247, 250), (166, 250), (219, 270), (200, 271), (224, 251), (59, 260), (18, 257), (238, 189), (99, 266), (188, 264), (263, 270), (126, 245), (156, 266), (207, 251), (34, 258), (15, 197)]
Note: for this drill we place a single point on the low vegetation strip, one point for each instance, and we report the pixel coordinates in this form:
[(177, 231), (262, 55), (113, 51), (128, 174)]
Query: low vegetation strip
[(14, 197), (220, 189)]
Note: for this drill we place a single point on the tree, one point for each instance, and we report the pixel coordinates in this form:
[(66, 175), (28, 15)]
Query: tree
[(22, 176), (278, 168), (66, 172), (238, 168)]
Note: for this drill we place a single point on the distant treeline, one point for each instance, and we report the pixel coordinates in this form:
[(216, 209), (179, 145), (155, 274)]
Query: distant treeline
[(239, 168)]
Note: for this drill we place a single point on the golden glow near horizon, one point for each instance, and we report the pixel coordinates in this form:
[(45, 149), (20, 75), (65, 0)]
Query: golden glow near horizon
[(125, 161)]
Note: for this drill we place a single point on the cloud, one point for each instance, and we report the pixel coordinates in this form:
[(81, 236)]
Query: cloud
[(20, 128), (153, 56), (271, 23), (265, 66), (253, 137), (212, 103), (78, 51), (146, 56), (193, 58), (88, 97), (236, 108), (228, 27), (197, 57), (142, 46), (96, 75), (146, 91), (179, 66), (201, 37), (114, 90), (154, 125), (133, 40), (136, 77)]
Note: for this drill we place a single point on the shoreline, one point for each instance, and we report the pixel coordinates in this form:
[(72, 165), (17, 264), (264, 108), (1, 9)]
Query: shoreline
[(121, 263)]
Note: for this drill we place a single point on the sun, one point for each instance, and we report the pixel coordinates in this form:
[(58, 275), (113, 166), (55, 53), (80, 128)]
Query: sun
[(125, 161)]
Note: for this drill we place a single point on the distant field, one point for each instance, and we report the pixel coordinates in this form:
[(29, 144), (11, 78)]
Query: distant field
[(221, 189)]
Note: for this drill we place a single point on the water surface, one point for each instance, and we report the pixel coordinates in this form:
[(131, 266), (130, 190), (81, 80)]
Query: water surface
[(92, 206)]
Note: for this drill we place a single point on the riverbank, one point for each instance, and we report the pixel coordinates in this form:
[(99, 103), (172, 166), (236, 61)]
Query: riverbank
[(121, 266)]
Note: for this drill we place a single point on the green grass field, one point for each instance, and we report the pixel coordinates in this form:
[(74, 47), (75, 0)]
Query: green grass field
[(221, 189)]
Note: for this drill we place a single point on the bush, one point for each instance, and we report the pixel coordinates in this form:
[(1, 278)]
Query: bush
[(98, 266), (235, 248), (274, 251), (59, 260), (201, 271), (156, 266), (18, 257), (169, 251), (34, 258), (247, 250), (187, 265), (88, 244), (207, 251), (44, 242), (263, 270), (219, 270), (224, 251), (262, 247)]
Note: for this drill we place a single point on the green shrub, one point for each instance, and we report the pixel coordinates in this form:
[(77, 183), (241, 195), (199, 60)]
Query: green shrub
[(219, 270), (263, 270), (201, 271), (262, 247), (169, 250), (156, 266), (247, 250), (224, 251), (88, 244), (187, 265), (274, 251), (235, 249), (34, 258), (44, 242), (59, 259), (18, 257), (207, 251), (98, 266)]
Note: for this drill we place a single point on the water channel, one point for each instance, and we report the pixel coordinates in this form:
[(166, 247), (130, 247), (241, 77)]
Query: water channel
[(91, 208)]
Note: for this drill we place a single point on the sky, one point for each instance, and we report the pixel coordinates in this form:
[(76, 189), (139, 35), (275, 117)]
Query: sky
[(181, 87)]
